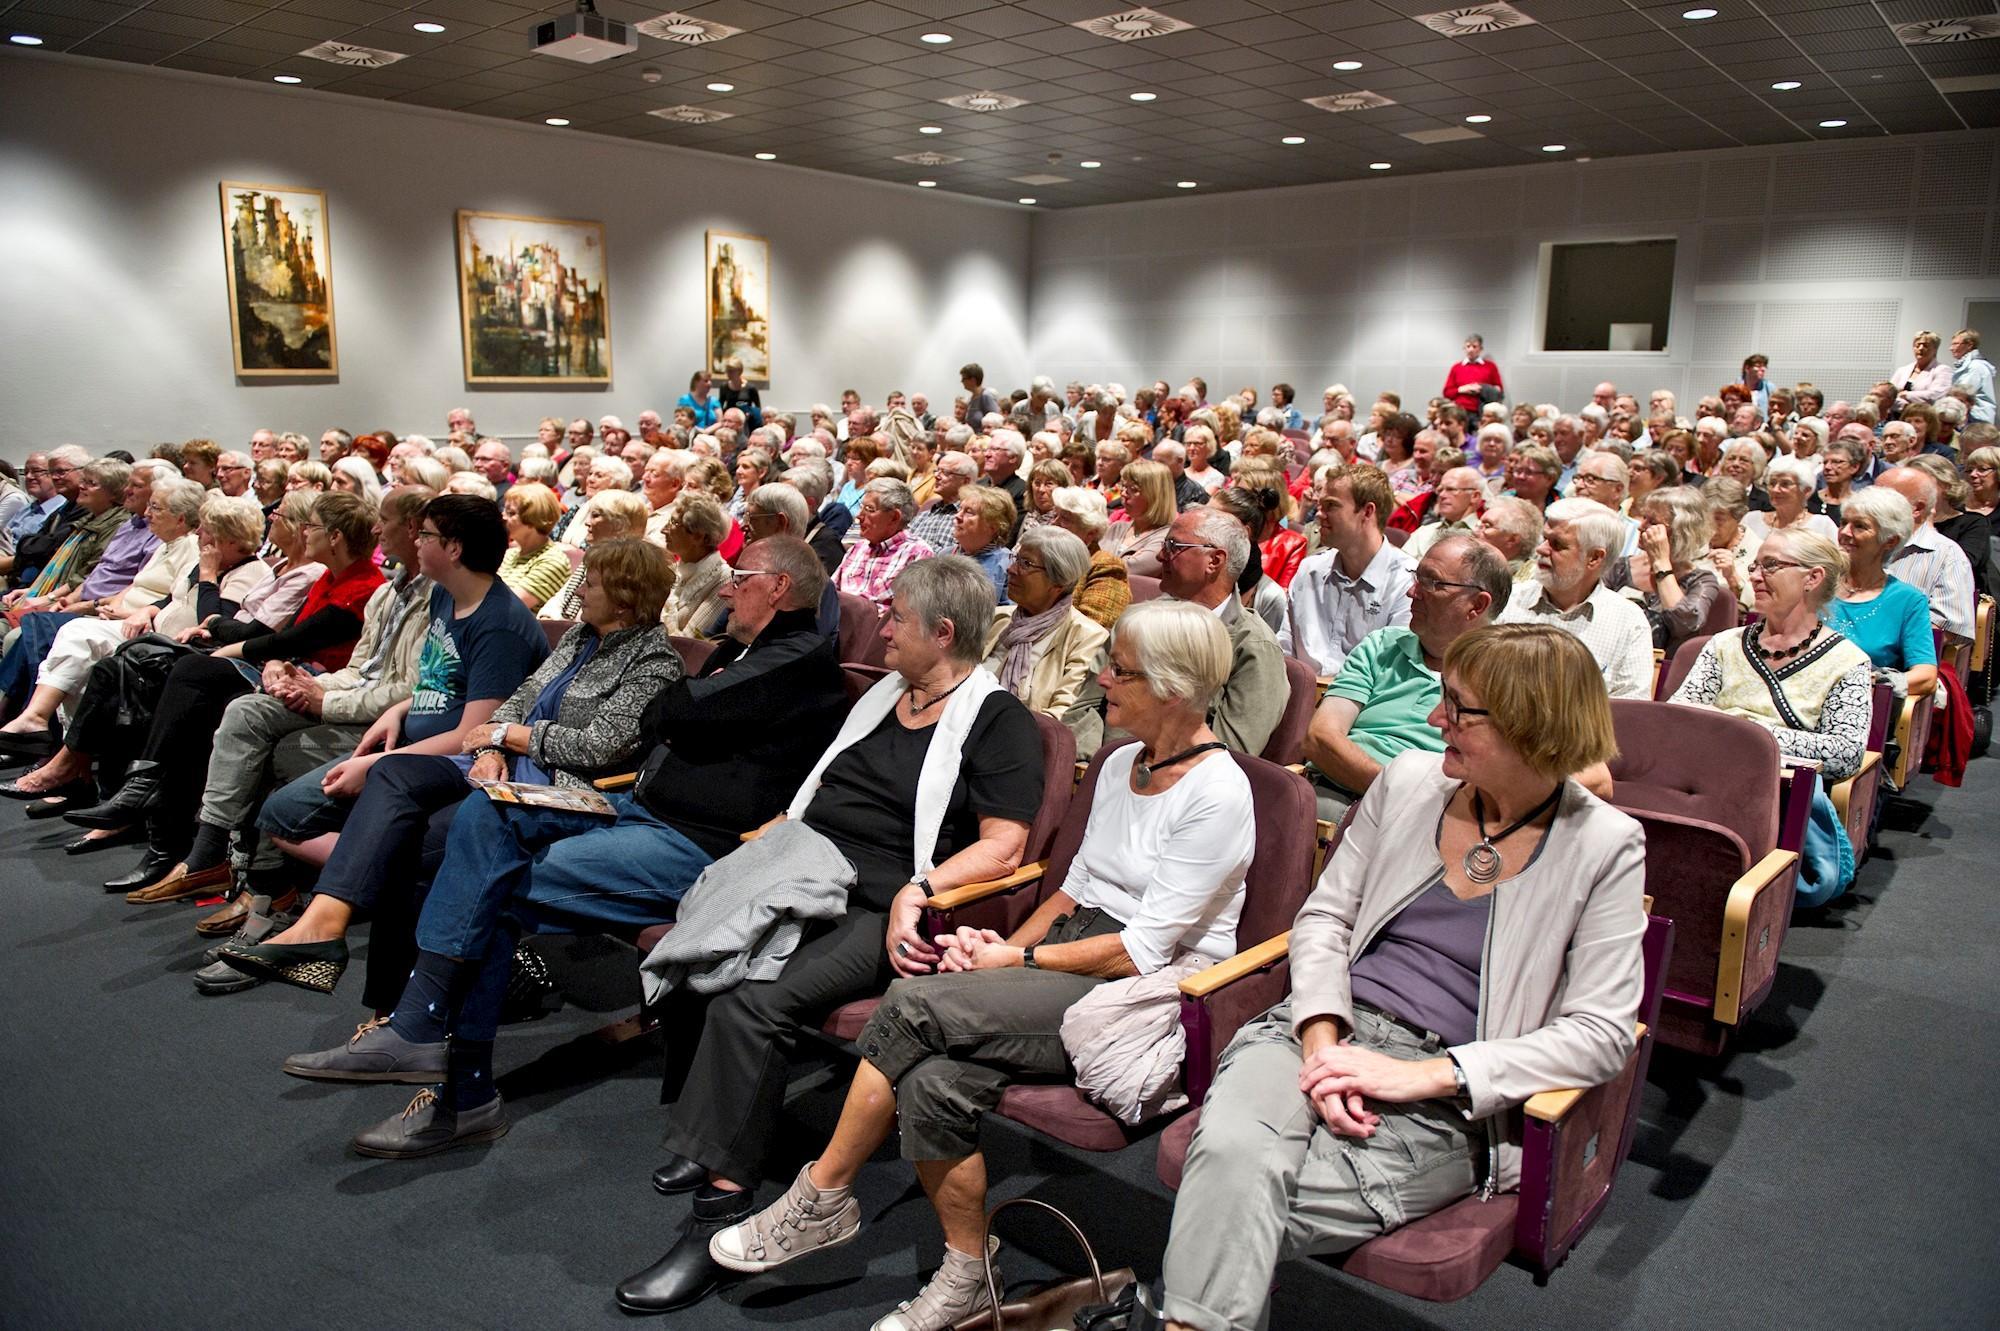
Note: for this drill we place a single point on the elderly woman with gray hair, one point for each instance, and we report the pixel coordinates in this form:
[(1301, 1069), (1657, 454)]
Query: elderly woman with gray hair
[(1042, 647), (1106, 588), (1789, 482), (1669, 570), (1876, 611), (930, 784), (1156, 884)]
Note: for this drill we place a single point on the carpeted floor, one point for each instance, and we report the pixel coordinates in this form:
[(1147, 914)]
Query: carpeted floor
[(158, 1171)]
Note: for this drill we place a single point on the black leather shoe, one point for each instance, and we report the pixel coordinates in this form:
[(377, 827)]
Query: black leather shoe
[(129, 836), (134, 800), (44, 808), (687, 1274), (32, 744), (152, 869), (678, 1174), (14, 790)]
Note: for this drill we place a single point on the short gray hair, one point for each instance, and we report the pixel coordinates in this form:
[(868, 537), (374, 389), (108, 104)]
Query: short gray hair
[(1087, 506), (699, 513), (1596, 527), (1226, 533), (159, 469), (812, 478), (1517, 517), (954, 588), (1889, 511), (789, 555), (784, 500), (1751, 449), (1065, 557), (237, 518), (75, 455), (1798, 470), (180, 497), (1483, 566), (618, 468), (1182, 649), (111, 474), (894, 496), (958, 436)]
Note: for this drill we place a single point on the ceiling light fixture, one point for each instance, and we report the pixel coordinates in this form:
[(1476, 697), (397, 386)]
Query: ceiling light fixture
[(1786, 85), (1185, 184), (1555, 147), (1346, 66), (557, 121), (722, 87), (930, 129), (25, 39), (1833, 124), (1025, 200), (432, 28), (1293, 140), (286, 78), (1145, 96), (1090, 166), (1378, 166), (936, 38), (1697, 15), (767, 157), (926, 184), (1478, 120)]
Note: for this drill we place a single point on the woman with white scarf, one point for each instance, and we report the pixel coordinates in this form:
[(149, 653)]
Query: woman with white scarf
[(930, 784), (1042, 648)]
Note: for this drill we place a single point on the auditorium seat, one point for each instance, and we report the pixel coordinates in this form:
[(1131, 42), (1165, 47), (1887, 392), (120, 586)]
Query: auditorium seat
[(860, 637)]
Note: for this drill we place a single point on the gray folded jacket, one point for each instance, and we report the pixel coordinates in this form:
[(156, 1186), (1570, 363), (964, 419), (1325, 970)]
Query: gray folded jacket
[(742, 919)]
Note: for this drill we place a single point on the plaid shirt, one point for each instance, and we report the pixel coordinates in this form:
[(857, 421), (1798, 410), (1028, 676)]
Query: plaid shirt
[(869, 569), (936, 524)]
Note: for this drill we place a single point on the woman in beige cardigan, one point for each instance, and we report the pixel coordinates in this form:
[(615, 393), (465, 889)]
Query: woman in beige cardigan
[(1042, 647), (1474, 940)]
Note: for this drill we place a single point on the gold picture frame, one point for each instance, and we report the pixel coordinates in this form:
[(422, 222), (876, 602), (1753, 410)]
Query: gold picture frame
[(736, 281), (277, 245), (534, 299)]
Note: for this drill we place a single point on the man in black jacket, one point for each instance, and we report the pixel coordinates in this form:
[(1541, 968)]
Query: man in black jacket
[(31, 552), (732, 743)]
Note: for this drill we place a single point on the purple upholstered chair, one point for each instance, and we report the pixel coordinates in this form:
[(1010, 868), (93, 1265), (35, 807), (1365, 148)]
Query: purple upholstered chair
[(1287, 744), (860, 637), (694, 652), (1144, 588)]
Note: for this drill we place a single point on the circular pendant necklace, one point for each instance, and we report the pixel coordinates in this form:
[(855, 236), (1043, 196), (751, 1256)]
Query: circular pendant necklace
[(1142, 771), (1482, 862)]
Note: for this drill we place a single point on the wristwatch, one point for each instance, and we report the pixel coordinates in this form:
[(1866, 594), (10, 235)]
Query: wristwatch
[(497, 737), (923, 880), (1028, 959), (1463, 1087)]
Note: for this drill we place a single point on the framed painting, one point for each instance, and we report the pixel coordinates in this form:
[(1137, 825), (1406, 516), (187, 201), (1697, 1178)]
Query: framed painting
[(534, 298), (280, 260), (739, 305)]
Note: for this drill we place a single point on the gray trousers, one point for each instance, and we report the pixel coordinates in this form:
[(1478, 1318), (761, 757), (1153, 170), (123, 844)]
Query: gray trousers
[(1266, 1181), (262, 744), (951, 1044)]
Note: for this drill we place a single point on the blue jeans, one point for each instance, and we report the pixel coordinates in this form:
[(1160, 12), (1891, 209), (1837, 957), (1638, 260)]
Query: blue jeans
[(550, 869), (299, 810)]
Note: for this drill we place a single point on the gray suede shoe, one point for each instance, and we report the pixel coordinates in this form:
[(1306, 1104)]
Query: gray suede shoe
[(427, 1127), (374, 1053)]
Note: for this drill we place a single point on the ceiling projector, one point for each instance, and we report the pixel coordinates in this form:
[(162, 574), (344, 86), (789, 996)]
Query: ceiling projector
[(586, 36)]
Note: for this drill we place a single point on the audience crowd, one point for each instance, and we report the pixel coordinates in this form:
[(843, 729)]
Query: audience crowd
[(781, 680)]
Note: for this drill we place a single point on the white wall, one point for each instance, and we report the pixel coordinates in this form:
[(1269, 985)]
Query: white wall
[(1826, 258), (117, 327)]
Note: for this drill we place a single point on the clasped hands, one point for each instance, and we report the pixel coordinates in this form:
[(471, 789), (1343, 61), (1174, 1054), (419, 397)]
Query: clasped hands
[(966, 949), (1340, 1078)]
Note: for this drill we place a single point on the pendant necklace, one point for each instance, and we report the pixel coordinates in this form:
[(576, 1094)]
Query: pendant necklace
[(1482, 863), (1142, 771), (914, 709)]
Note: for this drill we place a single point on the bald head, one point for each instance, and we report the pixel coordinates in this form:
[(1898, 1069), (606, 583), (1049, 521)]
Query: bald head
[(1917, 487)]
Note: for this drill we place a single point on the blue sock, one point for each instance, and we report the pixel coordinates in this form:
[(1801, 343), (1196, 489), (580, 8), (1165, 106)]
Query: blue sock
[(469, 1083), (423, 1013)]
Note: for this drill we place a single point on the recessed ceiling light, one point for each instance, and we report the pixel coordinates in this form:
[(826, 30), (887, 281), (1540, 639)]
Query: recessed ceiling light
[(1185, 184), (1346, 65), (1293, 140), (930, 129), (286, 78), (722, 87), (1478, 120), (767, 157), (1145, 96), (1833, 124), (1786, 85), (1696, 15), (24, 39), (1090, 166), (926, 184), (936, 38), (428, 27), (557, 121), (1378, 166), (1555, 147), (1027, 200)]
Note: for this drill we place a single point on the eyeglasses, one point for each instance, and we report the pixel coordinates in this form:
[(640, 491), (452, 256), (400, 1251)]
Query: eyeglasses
[(737, 576), (232, 467), (429, 534), (311, 526), (1029, 566), (1431, 586), (1769, 566), (63, 471), (1171, 548), (1122, 675), (1455, 711), (36, 471)]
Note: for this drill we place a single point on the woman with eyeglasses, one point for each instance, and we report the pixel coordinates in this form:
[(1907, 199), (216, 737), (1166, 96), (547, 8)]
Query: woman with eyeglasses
[(1149, 510), (694, 535), (1789, 482), (1982, 478), (1474, 940), (1041, 646), (1676, 588), (986, 516)]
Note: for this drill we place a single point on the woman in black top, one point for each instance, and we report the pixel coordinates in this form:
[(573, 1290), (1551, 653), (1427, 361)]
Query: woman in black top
[(722, 1123), (738, 394)]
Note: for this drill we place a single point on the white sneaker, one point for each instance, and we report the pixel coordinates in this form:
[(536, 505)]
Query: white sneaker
[(806, 1219), (957, 1291)]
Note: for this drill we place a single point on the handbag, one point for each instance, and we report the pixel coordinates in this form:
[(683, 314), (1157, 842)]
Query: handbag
[(1050, 1307)]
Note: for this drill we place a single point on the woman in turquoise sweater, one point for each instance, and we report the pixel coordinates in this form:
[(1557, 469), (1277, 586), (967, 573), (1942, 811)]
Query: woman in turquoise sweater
[(1882, 615)]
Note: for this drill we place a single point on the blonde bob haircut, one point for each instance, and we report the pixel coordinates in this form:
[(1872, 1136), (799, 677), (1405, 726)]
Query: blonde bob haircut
[(536, 505), (1153, 486), (1542, 691), (625, 508), (635, 575), (239, 519), (1182, 650)]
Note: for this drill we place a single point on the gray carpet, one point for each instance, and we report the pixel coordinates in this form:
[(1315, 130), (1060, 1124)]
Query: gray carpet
[(158, 1171)]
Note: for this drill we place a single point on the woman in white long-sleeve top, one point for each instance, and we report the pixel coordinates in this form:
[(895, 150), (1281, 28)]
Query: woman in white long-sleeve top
[(1474, 940)]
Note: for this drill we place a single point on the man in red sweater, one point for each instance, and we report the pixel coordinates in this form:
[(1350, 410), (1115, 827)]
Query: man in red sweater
[(1461, 385)]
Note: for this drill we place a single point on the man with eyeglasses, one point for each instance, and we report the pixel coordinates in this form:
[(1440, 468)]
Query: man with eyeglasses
[(233, 473), (42, 503), (886, 547), (1460, 495), (1358, 583), (1569, 592), (64, 471), (1603, 477), (936, 521), (1380, 703)]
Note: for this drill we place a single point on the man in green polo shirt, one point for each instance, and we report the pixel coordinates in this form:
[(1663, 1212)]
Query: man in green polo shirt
[(1380, 703)]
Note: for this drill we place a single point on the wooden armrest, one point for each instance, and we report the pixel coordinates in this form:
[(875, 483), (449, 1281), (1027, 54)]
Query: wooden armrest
[(1743, 896), (1297, 769), (1550, 1106), (1245, 963), (1793, 760), (759, 830), (952, 898), (622, 781)]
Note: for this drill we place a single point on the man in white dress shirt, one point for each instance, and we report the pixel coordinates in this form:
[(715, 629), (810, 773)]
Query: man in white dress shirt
[(1359, 582), (1569, 592), (1930, 561)]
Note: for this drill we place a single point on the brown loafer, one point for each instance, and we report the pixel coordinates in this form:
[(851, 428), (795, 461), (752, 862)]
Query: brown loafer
[(179, 884), (229, 919)]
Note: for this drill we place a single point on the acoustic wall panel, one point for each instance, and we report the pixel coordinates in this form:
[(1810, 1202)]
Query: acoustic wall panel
[(1832, 247), (1833, 332), (1739, 188), (1948, 244), (1723, 331), (1732, 252)]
